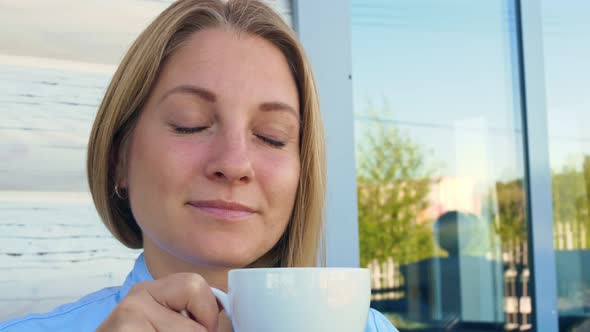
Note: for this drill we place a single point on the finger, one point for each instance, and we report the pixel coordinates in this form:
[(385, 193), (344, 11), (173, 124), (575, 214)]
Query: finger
[(126, 318), (190, 292), (165, 319)]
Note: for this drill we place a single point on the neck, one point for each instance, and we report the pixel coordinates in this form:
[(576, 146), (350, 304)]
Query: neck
[(161, 263)]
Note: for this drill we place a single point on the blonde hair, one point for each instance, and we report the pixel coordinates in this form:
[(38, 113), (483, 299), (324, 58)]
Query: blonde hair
[(129, 90)]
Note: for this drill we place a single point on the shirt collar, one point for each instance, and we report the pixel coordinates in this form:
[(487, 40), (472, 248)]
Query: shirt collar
[(139, 273)]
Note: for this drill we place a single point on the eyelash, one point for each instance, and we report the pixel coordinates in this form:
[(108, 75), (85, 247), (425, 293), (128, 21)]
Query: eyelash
[(183, 130), (269, 141)]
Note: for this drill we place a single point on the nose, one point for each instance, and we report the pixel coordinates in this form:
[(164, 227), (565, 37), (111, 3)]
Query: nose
[(229, 160)]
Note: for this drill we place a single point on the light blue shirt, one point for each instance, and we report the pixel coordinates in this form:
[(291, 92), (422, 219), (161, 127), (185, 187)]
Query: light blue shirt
[(88, 313)]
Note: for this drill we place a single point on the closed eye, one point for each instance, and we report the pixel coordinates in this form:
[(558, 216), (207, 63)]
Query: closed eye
[(184, 130), (271, 142)]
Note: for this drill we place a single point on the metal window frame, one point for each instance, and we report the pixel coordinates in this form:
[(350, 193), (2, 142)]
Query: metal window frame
[(325, 31), (537, 168)]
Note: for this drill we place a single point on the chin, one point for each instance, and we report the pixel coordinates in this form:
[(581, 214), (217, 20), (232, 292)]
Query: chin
[(221, 254)]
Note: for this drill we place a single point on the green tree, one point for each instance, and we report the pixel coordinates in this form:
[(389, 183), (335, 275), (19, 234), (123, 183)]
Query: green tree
[(510, 224), (393, 186), (584, 202), (571, 201)]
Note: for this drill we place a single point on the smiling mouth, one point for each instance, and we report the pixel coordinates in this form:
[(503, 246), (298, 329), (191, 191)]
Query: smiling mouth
[(223, 210)]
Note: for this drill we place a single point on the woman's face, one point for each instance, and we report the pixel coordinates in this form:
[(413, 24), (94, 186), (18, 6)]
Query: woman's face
[(213, 163)]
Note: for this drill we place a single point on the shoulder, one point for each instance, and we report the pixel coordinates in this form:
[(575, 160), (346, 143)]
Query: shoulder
[(378, 323), (83, 315)]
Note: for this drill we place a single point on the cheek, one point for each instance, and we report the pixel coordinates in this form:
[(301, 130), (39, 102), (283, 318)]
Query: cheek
[(159, 166), (279, 178)]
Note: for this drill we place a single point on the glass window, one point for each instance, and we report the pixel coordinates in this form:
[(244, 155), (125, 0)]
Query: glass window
[(438, 131), (565, 32)]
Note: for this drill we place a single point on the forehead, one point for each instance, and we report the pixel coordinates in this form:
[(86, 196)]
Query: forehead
[(232, 65)]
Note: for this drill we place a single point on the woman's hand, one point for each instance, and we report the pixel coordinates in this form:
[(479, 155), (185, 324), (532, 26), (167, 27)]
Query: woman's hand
[(157, 306)]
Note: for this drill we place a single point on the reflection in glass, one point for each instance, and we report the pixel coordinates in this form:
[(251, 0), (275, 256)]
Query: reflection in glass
[(438, 136), (565, 33)]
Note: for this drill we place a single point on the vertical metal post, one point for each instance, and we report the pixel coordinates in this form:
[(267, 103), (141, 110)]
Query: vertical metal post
[(538, 171)]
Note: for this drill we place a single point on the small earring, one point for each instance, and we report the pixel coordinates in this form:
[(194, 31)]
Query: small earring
[(118, 193)]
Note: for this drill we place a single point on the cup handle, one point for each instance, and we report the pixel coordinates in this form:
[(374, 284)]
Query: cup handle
[(222, 298)]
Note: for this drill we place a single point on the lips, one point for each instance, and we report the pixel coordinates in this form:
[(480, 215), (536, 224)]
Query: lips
[(223, 209)]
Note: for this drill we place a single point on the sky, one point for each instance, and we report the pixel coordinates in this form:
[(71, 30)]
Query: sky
[(447, 71), (567, 77)]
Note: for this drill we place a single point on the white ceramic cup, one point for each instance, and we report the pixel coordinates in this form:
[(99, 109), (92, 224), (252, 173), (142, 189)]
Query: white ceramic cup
[(297, 299)]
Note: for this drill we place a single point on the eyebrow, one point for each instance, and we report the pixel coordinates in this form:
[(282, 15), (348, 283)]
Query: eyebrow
[(211, 97), (203, 93), (278, 106)]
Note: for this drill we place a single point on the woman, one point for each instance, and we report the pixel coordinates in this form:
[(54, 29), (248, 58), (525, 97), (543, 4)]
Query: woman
[(208, 153)]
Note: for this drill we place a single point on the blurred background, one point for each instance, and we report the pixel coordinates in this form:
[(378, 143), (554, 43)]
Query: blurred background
[(444, 167)]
